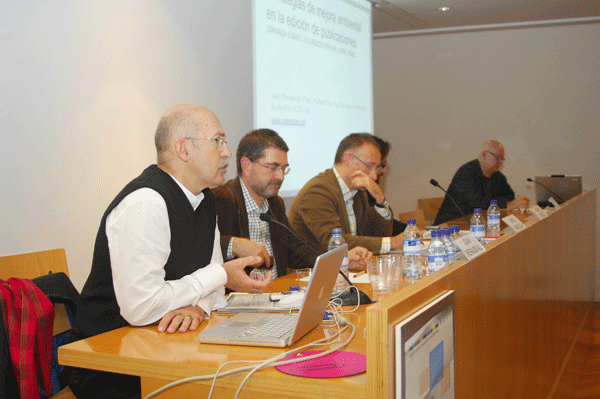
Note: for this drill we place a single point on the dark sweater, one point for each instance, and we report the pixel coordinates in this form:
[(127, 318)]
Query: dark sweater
[(192, 238), (471, 189)]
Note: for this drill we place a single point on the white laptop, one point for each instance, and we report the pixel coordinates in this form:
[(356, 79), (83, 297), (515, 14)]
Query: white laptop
[(283, 329), (559, 187)]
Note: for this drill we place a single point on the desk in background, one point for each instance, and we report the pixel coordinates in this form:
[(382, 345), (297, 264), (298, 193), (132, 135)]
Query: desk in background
[(519, 308), (464, 225)]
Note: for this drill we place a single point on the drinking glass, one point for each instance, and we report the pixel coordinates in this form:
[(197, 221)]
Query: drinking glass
[(380, 274), (396, 262)]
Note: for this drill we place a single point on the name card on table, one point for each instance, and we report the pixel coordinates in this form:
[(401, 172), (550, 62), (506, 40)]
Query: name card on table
[(538, 212), (514, 223), (554, 203), (469, 246)]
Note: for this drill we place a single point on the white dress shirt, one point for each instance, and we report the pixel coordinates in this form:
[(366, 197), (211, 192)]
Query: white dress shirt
[(139, 240)]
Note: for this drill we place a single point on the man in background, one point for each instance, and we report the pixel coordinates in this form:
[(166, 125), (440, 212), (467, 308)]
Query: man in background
[(339, 197), (262, 164), (157, 256), (384, 148), (478, 182)]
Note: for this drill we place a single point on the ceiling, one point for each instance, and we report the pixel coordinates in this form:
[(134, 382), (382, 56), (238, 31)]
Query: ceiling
[(408, 17)]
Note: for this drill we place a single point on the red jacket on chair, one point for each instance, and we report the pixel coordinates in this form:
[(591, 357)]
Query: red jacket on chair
[(29, 319)]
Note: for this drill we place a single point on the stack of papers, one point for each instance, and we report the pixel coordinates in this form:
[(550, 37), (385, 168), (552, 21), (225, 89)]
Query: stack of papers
[(245, 302)]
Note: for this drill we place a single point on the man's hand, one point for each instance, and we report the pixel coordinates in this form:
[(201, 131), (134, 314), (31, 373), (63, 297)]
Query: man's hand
[(238, 280), (182, 320), (243, 247), (519, 202), (397, 242), (363, 182), (357, 258)]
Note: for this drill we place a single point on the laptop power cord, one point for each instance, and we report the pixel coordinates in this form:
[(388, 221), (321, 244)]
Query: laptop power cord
[(272, 362)]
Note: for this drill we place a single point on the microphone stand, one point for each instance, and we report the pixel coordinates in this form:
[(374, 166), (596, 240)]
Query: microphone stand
[(436, 184), (346, 298)]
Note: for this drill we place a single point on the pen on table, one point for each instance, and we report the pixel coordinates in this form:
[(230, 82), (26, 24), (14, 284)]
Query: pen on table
[(359, 274)]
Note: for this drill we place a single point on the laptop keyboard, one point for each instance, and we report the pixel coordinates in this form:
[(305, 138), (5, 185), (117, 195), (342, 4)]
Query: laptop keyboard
[(272, 326)]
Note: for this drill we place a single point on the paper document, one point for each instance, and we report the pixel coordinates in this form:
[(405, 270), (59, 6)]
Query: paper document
[(360, 278), (244, 302)]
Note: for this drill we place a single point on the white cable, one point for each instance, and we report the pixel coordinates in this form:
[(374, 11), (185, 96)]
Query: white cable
[(319, 342), (338, 300), (212, 386), (299, 359)]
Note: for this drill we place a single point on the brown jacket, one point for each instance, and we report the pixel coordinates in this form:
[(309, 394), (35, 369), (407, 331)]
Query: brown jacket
[(232, 218), (319, 207)]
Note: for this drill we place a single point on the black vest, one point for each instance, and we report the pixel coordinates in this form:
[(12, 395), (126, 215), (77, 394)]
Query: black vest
[(192, 240)]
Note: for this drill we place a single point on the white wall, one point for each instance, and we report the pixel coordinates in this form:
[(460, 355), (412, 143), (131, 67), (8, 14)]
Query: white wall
[(82, 87), (437, 98), (83, 84)]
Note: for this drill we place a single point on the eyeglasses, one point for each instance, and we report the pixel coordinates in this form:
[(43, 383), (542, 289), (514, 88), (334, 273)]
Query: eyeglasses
[(276, 168), (220, 140), (378, 169), (498, 157)]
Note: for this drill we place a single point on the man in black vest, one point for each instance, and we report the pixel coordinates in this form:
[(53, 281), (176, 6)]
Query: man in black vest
[(157, 255)]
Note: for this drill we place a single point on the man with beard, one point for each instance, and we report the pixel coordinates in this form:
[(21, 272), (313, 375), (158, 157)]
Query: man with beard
[(262, 165), (478, 182)]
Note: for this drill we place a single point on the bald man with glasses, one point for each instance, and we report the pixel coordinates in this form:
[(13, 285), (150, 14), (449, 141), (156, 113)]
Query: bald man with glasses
[(478, 182), (157, 257), (339, 198)]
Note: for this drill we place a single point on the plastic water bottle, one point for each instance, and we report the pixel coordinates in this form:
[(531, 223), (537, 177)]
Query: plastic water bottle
[(493, 220), (336, 241), (454, 236), (450, 246), (412, 249), (455, 232), (478, 226), (436, 253)]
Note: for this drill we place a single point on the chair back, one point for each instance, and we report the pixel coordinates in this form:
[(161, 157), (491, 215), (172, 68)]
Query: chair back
[(35, 264), (416, 214), (430, 207)]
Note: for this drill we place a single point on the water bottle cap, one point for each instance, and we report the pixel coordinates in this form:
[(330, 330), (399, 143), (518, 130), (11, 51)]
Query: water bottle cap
[(494, 202), (336, 231), (294, 288), (477, 210), (411, 221)]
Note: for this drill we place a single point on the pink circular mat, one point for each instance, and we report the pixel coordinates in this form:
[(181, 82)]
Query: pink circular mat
[(336, 364)]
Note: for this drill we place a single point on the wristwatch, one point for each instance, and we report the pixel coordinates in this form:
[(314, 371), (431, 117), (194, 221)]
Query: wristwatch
[(384, 205)]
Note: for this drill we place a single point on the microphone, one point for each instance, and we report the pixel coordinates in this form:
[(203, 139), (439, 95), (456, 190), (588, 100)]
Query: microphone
[(550, 191), (436, 184), (346, 299), (265, 217)]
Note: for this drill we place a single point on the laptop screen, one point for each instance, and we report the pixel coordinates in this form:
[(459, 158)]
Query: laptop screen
[(559, 187)]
